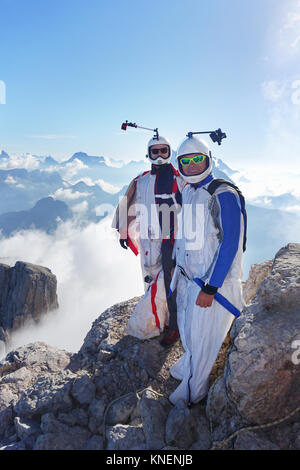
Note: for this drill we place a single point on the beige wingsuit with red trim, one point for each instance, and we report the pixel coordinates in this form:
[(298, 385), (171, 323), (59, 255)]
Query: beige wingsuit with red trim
[(137, 220)]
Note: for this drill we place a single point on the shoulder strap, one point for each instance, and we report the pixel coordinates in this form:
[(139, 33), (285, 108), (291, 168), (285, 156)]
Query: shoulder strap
[(214, 185)]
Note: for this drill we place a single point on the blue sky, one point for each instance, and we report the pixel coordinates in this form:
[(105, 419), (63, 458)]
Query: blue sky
[(75, 69)]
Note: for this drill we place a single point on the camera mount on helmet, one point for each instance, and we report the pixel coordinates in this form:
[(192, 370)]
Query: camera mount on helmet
[(131, 124), (216, 136)]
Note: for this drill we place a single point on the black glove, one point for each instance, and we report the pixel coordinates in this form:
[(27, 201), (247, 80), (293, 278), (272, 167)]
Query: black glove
[(124, 243)]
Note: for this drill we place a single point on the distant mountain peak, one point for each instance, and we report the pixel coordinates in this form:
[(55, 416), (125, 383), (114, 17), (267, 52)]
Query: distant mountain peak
[(50, 161), (79, 154), (222, 166), (3, 154), (87, 159)]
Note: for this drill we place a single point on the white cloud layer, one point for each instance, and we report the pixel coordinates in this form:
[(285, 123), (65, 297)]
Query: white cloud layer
[(67, 194), (93, 272), (266, 181), (27, 161)]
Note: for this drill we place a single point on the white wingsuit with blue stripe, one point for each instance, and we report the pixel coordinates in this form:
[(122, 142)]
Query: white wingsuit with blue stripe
[(208, 249)]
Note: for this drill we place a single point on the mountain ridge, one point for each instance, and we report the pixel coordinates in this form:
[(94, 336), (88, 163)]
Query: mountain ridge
[(113, 393)]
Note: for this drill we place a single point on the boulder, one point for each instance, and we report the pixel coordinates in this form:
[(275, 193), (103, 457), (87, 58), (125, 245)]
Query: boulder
[(122, 410), (124, 437), (261, 380), (27, 292), (154, 411), (256, 275), (113, 394)]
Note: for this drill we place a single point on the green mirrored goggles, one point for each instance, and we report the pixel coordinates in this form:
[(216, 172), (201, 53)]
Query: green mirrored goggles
[(196, 159)]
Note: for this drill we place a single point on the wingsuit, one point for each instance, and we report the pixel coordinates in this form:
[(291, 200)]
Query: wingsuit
[(146, 219), (209, 252)]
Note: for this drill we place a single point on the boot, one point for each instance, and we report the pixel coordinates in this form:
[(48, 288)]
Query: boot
[(170, 337)]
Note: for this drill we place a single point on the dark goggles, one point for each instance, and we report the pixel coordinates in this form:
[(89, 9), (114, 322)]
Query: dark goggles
[(164, 150)]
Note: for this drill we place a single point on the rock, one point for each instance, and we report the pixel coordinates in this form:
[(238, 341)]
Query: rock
[(50, 392), (20, 370), (249, 440), (106, 331), (27, 292), (124, 437), (50, 424), (6, 415), (121, 411), (297, 442), (221, 411), (51, 399), (38, 356), (154, 412), (261, 381), (26, 428), (76, 416), (83, 390), (94, 443), (3, 339), (281, 288), (70, 439), (186, 426), (58, 436), (202, 431), (15, 446), (96, 414), (257, 274), (120, 363)]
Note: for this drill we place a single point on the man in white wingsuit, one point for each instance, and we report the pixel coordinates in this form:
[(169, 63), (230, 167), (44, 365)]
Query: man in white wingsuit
[(146, 219), (209, 252)]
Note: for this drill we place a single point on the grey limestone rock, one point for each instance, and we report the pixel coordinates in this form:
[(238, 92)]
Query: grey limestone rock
[(261, 380), (51, 399), (154, 412), (121, 411), (27, 291), (124, 437)]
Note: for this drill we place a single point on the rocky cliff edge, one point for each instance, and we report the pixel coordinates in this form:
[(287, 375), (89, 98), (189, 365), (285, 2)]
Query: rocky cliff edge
[(113, 394)]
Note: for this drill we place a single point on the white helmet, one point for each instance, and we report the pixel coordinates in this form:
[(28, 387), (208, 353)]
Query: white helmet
[(194, 145), (157, 141)]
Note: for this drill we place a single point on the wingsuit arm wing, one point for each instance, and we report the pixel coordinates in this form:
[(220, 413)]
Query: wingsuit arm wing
[(121, 218), (230, 218)]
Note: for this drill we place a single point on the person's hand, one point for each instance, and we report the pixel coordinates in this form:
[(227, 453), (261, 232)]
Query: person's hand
[(124, 243), (204, 300)]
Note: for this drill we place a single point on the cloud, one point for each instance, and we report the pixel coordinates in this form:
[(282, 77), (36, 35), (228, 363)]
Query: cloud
[(81, 207), (69, 170), (52, 136), (282, 136), (10, 180), (27, 161), (288, 32), (93, 273), (107, 187), (266, 181), (295, 208), (68, 194), (292, 20)]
